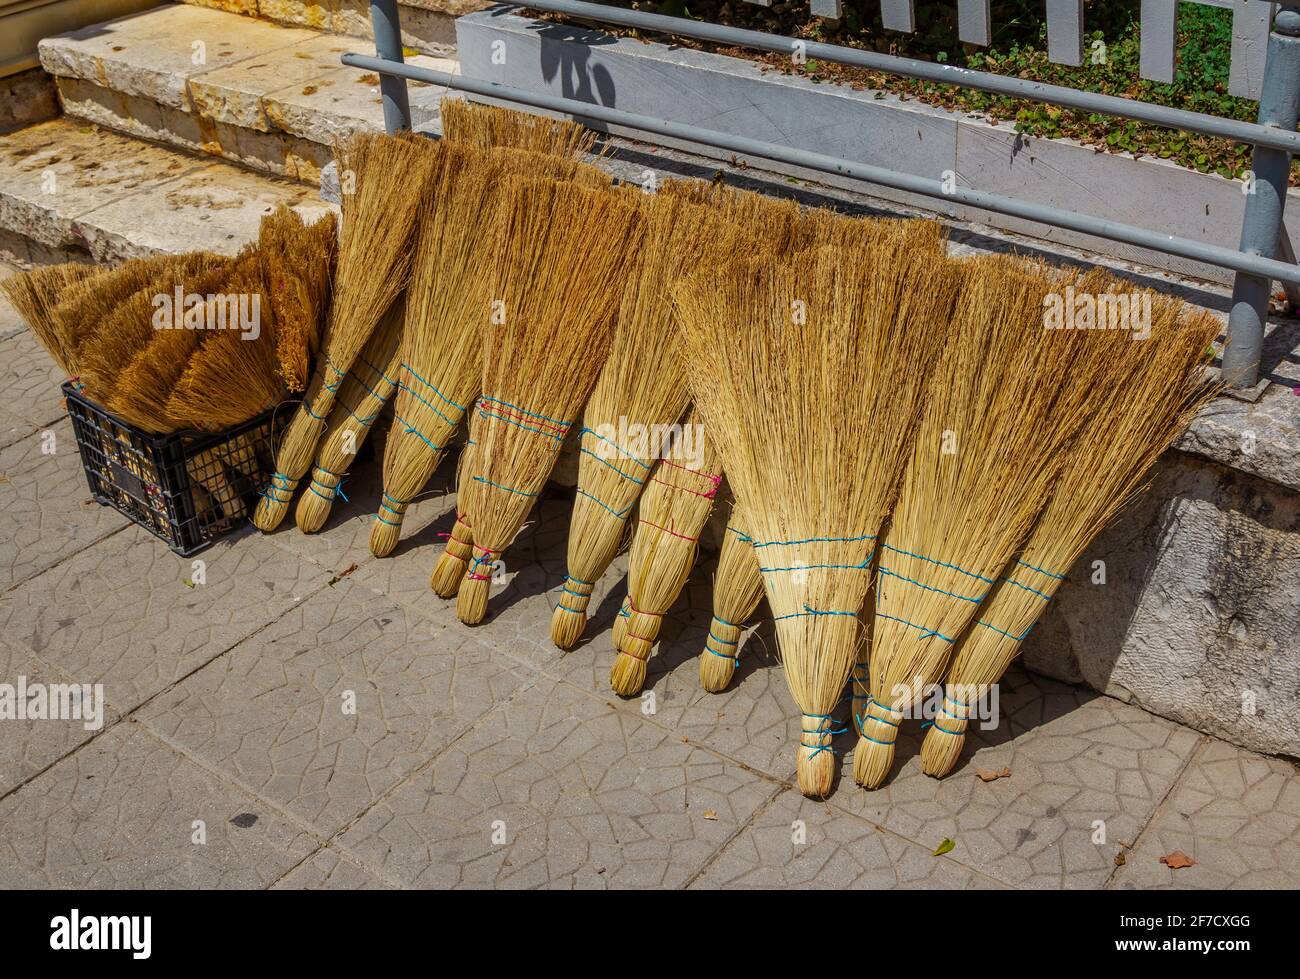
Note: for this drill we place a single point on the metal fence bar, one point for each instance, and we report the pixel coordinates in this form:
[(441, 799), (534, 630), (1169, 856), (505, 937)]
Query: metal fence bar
[(1261, 224), (1159, 44), (1065, 31), (1158, 115), (830, 9), (1250, 32), (898, 15), (974, 22), (1085, 224), (388, 45)]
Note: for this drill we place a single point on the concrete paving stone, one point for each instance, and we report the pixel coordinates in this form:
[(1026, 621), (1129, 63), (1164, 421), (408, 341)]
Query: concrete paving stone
[(122, 613), (153, 54), (804, 843), (29, 385), (122, 813), (53, 173), (334, 703), (327, 870), (28, 746), (575, 794), (48, 509), (1236, 813), (216, 208), (344, 541), (1083, 767)]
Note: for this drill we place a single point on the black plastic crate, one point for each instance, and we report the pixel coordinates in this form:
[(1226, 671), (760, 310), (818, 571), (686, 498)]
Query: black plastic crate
[(188, 488)]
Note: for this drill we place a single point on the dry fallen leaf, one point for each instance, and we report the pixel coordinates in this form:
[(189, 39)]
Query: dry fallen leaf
[(944, 847), (1177, 860), (987, 775), (1120, 859), (710, 814)]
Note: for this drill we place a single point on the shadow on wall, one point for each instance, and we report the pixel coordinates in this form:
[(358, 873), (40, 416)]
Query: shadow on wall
[(570, 62)]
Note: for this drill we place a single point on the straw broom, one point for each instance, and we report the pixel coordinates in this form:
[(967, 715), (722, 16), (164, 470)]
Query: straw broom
[(297, 264), (370, 383), (35, 294), (814, 492), (374, 257), (1002, 406), (737, 590), (557, 275), (1144, 394), (487, 126), (640, 394), (673, 510), (449, 569)]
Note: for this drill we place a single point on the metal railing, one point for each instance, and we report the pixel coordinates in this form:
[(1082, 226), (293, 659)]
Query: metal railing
[(1274, 139)]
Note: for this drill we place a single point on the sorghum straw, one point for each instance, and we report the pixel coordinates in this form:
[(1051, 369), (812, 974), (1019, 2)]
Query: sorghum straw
[(672, 513), (297, 265), (389, 178), (35, 294), (737, 590), (557, 275), (1001, 408), (640, 394), (486, 126), (442, 363), (370, 383), (1144, 394), (808, 355)]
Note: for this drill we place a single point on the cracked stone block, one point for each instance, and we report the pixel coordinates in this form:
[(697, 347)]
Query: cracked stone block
[(344, 541), (333, 704), (1236, 813), (803, 843), (141, 638), (121, 812), (155, 53), (575, 794), (47, 506), (53, 173), (327, 870), (1083, 767), (273, 153), (216, 208), (29, 385), (30, 745)]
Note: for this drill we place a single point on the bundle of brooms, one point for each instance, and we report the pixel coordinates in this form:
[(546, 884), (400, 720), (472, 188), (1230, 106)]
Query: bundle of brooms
[(985, 457), (765, 341), (369, 384), (389, 178), (557, 274), (1144, 393), (441, 358)]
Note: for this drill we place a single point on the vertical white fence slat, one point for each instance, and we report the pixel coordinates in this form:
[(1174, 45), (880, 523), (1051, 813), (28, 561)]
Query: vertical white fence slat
[(1159, 40), (830, 9), (974, 21), (1251, 20), (898, 15), (1065, 31)]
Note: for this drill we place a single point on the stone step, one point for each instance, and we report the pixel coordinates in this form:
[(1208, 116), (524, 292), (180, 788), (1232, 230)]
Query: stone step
[(271, 98), (72, 190)]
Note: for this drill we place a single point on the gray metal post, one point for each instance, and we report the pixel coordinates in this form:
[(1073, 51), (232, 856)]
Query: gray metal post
[(1261, 223), (388, 45)]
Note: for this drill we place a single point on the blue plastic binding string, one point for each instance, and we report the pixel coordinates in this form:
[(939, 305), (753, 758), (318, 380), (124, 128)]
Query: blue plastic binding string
[(518, 492)]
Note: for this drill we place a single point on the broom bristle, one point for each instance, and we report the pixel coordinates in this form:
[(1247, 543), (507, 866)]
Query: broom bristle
[(775, 219), (231, 377), (365, 391), (737, 590), (487, 126), (297, 263), (35, 294), (388, 177), (145, 385), (557, 276), (986, 455), (767, 340), (671, 515), (1142, 394), (640, 394), (441, 363)]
